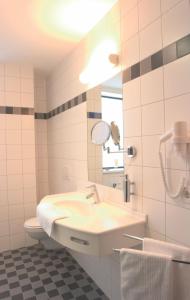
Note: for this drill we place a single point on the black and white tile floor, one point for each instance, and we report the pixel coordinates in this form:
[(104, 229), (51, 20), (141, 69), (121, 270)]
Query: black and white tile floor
[(34, 273)]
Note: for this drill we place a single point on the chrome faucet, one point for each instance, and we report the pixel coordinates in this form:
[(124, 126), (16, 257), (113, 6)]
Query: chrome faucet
[(94, 193)]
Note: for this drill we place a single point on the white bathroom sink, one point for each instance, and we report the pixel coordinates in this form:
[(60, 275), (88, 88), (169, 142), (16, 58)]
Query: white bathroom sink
[(74, 208), (93, 228)]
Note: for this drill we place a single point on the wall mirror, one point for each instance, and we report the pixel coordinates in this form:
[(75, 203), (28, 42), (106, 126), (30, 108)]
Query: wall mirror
[(105, 133)]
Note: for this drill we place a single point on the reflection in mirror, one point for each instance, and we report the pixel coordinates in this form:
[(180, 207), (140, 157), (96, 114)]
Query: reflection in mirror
[(100, 133), (105, 133), (115, 134)]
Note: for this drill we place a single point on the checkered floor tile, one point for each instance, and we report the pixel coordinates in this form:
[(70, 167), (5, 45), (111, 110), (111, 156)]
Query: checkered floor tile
[(34, 273)]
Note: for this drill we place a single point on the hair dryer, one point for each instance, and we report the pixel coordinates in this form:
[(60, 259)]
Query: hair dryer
[(181, 141)]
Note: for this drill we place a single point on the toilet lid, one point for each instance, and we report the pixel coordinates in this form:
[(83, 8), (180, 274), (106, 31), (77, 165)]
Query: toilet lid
[(32, 223)]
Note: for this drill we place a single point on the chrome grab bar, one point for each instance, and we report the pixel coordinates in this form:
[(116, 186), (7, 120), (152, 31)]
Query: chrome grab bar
[(141, 239)]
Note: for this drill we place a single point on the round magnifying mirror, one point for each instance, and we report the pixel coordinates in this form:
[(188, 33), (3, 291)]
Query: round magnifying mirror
[(115, 134), (100, 133)]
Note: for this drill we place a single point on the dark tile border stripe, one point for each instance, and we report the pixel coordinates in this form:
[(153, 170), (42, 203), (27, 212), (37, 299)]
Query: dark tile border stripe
[(168, 54), (94, 115), (65, 106), (163, 57), (10, 110)]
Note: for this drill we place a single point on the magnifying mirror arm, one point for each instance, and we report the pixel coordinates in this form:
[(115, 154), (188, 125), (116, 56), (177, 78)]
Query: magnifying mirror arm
[(120, 150), (131, 151), (106, 149)]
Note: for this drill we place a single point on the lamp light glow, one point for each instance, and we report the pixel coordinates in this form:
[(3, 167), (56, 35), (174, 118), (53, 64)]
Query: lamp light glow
[(101, 63), (70, 19)]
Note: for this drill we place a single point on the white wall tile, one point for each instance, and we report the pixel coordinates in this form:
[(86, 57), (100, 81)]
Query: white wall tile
[(13, 137), (28, 151), (3, 153), (17, 241), (130, 18), (2, 84), (15, 196), (27, 85), (127, 5), (26, 71), (14, 151), (130, 52), (29, 181), (2, 98), (28, 166), (3, 197), (151, 33), (27, 122), (14, 182), (152, 88), (177, 77), (29, 195), (179, 14), (149, 10), (2, 137), (132, 122), (2, 122), (16, 211), (13, 99), (28, 137), (12, 84), (153, 118), (4, 213), (4, 228), (155, 211), (3, 183), (27, 100), (30, 210), (131, 94), (13, 122), (4, 243), (177, 109), (177, 231), (12, 70), (16, 226), (14, 166), (168, 4), (152, 184), (150, 146), (3, 170)]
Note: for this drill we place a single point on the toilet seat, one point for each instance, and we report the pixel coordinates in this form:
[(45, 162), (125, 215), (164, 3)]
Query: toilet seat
[(36, 232), (33, 223)]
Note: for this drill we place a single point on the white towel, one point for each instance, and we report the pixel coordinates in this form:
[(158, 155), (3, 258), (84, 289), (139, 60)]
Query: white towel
[(181, 271), (145, 276), (47, 214)]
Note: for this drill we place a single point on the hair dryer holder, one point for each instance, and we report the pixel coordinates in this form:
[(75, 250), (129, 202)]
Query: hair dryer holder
[(180, 139)]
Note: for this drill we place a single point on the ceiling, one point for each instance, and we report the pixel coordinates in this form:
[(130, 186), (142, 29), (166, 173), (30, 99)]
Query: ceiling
[(42, 32)]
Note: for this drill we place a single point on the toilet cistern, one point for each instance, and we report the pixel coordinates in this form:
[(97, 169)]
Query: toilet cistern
[(93, 194)]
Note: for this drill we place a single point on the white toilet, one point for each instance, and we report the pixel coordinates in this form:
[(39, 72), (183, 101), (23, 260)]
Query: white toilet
[(36, 232)]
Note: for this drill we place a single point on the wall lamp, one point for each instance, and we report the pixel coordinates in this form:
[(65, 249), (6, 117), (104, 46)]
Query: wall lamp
[(99, 68)]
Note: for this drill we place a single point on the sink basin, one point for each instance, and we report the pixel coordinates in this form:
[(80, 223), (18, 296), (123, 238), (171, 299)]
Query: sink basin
[(74, 208), (92, 228)]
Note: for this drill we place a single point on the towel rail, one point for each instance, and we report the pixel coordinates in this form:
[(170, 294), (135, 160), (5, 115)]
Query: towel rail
[(141, 239)]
